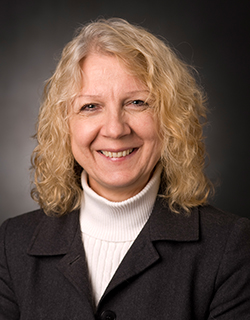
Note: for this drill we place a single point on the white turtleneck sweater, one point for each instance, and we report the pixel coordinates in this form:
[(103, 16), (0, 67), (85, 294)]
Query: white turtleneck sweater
[(109, 229)]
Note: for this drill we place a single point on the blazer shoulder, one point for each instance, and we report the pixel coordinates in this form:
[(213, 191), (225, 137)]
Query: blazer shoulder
[(20, 229), (216, 223), (217, 216), (36, 233)]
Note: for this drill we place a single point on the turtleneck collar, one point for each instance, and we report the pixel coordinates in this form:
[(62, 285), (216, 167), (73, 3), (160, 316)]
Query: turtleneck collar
[(117, 221)]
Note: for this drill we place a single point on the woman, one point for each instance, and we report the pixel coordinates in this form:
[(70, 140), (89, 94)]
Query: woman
[(124, 230)]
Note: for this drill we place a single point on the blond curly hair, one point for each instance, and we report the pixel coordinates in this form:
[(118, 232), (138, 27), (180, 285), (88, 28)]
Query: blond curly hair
[(179, 106)]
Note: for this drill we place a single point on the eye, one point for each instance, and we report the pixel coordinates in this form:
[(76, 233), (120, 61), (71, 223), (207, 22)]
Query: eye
[(88, 107), (139, 103)]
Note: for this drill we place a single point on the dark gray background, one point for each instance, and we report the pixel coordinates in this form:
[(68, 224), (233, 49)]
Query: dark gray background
[(212, 35)]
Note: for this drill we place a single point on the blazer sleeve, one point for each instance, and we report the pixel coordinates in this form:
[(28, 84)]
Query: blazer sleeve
[(8, 305), (232, 286)]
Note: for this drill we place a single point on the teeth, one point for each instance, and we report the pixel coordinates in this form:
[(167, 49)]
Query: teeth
[(117, 154)]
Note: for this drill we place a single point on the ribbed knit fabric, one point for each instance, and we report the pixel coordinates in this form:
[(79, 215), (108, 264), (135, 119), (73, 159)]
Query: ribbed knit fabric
[(109, 229)]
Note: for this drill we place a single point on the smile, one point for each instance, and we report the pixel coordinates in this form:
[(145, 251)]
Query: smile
[(117, 154)]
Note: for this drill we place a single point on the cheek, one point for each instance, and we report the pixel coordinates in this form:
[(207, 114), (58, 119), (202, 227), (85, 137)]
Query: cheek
[(155, 130), (79, 146), (148, 128), (77, 137), (82, 134), (151, 131)]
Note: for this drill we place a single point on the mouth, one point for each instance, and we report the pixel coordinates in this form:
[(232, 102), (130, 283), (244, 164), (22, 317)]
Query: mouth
[(119, 154)]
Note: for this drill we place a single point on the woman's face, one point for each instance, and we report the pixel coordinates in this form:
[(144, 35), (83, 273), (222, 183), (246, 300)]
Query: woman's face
[(113, 131)]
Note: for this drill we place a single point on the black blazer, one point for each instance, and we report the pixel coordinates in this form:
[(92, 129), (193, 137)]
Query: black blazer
[(179, 268)]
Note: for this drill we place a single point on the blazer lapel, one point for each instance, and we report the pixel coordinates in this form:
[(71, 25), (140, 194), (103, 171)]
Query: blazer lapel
[(171, 226), (62, 236), (141, 255), (163, 225)]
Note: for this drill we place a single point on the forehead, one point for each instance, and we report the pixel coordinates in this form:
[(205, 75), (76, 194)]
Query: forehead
[(105, 71), (103, 64)]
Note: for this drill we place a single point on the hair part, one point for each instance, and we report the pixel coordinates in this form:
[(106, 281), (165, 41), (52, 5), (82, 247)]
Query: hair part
[(179, 106)]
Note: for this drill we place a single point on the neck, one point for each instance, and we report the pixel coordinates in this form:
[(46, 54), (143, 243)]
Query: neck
[(117, 221)]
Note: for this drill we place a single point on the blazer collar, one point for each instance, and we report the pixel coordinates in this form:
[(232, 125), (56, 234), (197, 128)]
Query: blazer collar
[(167, 225), (162, 225), (54, 236), (62, 236)]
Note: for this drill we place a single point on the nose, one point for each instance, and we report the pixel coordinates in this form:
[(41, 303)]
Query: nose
[(115, 124)]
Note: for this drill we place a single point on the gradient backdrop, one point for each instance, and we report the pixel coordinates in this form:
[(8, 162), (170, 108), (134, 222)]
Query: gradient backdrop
[(212, 35)]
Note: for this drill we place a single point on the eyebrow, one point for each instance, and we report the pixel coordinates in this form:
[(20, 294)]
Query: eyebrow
[(99, 96)]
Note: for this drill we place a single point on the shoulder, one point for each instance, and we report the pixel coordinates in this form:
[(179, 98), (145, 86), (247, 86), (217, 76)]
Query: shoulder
[(19, 233), (24, 222), (20, 229), (212, 213), (224, 229), (25, 218), (214, 219), (226, 240)]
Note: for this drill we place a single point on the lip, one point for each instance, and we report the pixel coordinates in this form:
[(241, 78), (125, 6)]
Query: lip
[(118, 153), (117, 150)]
